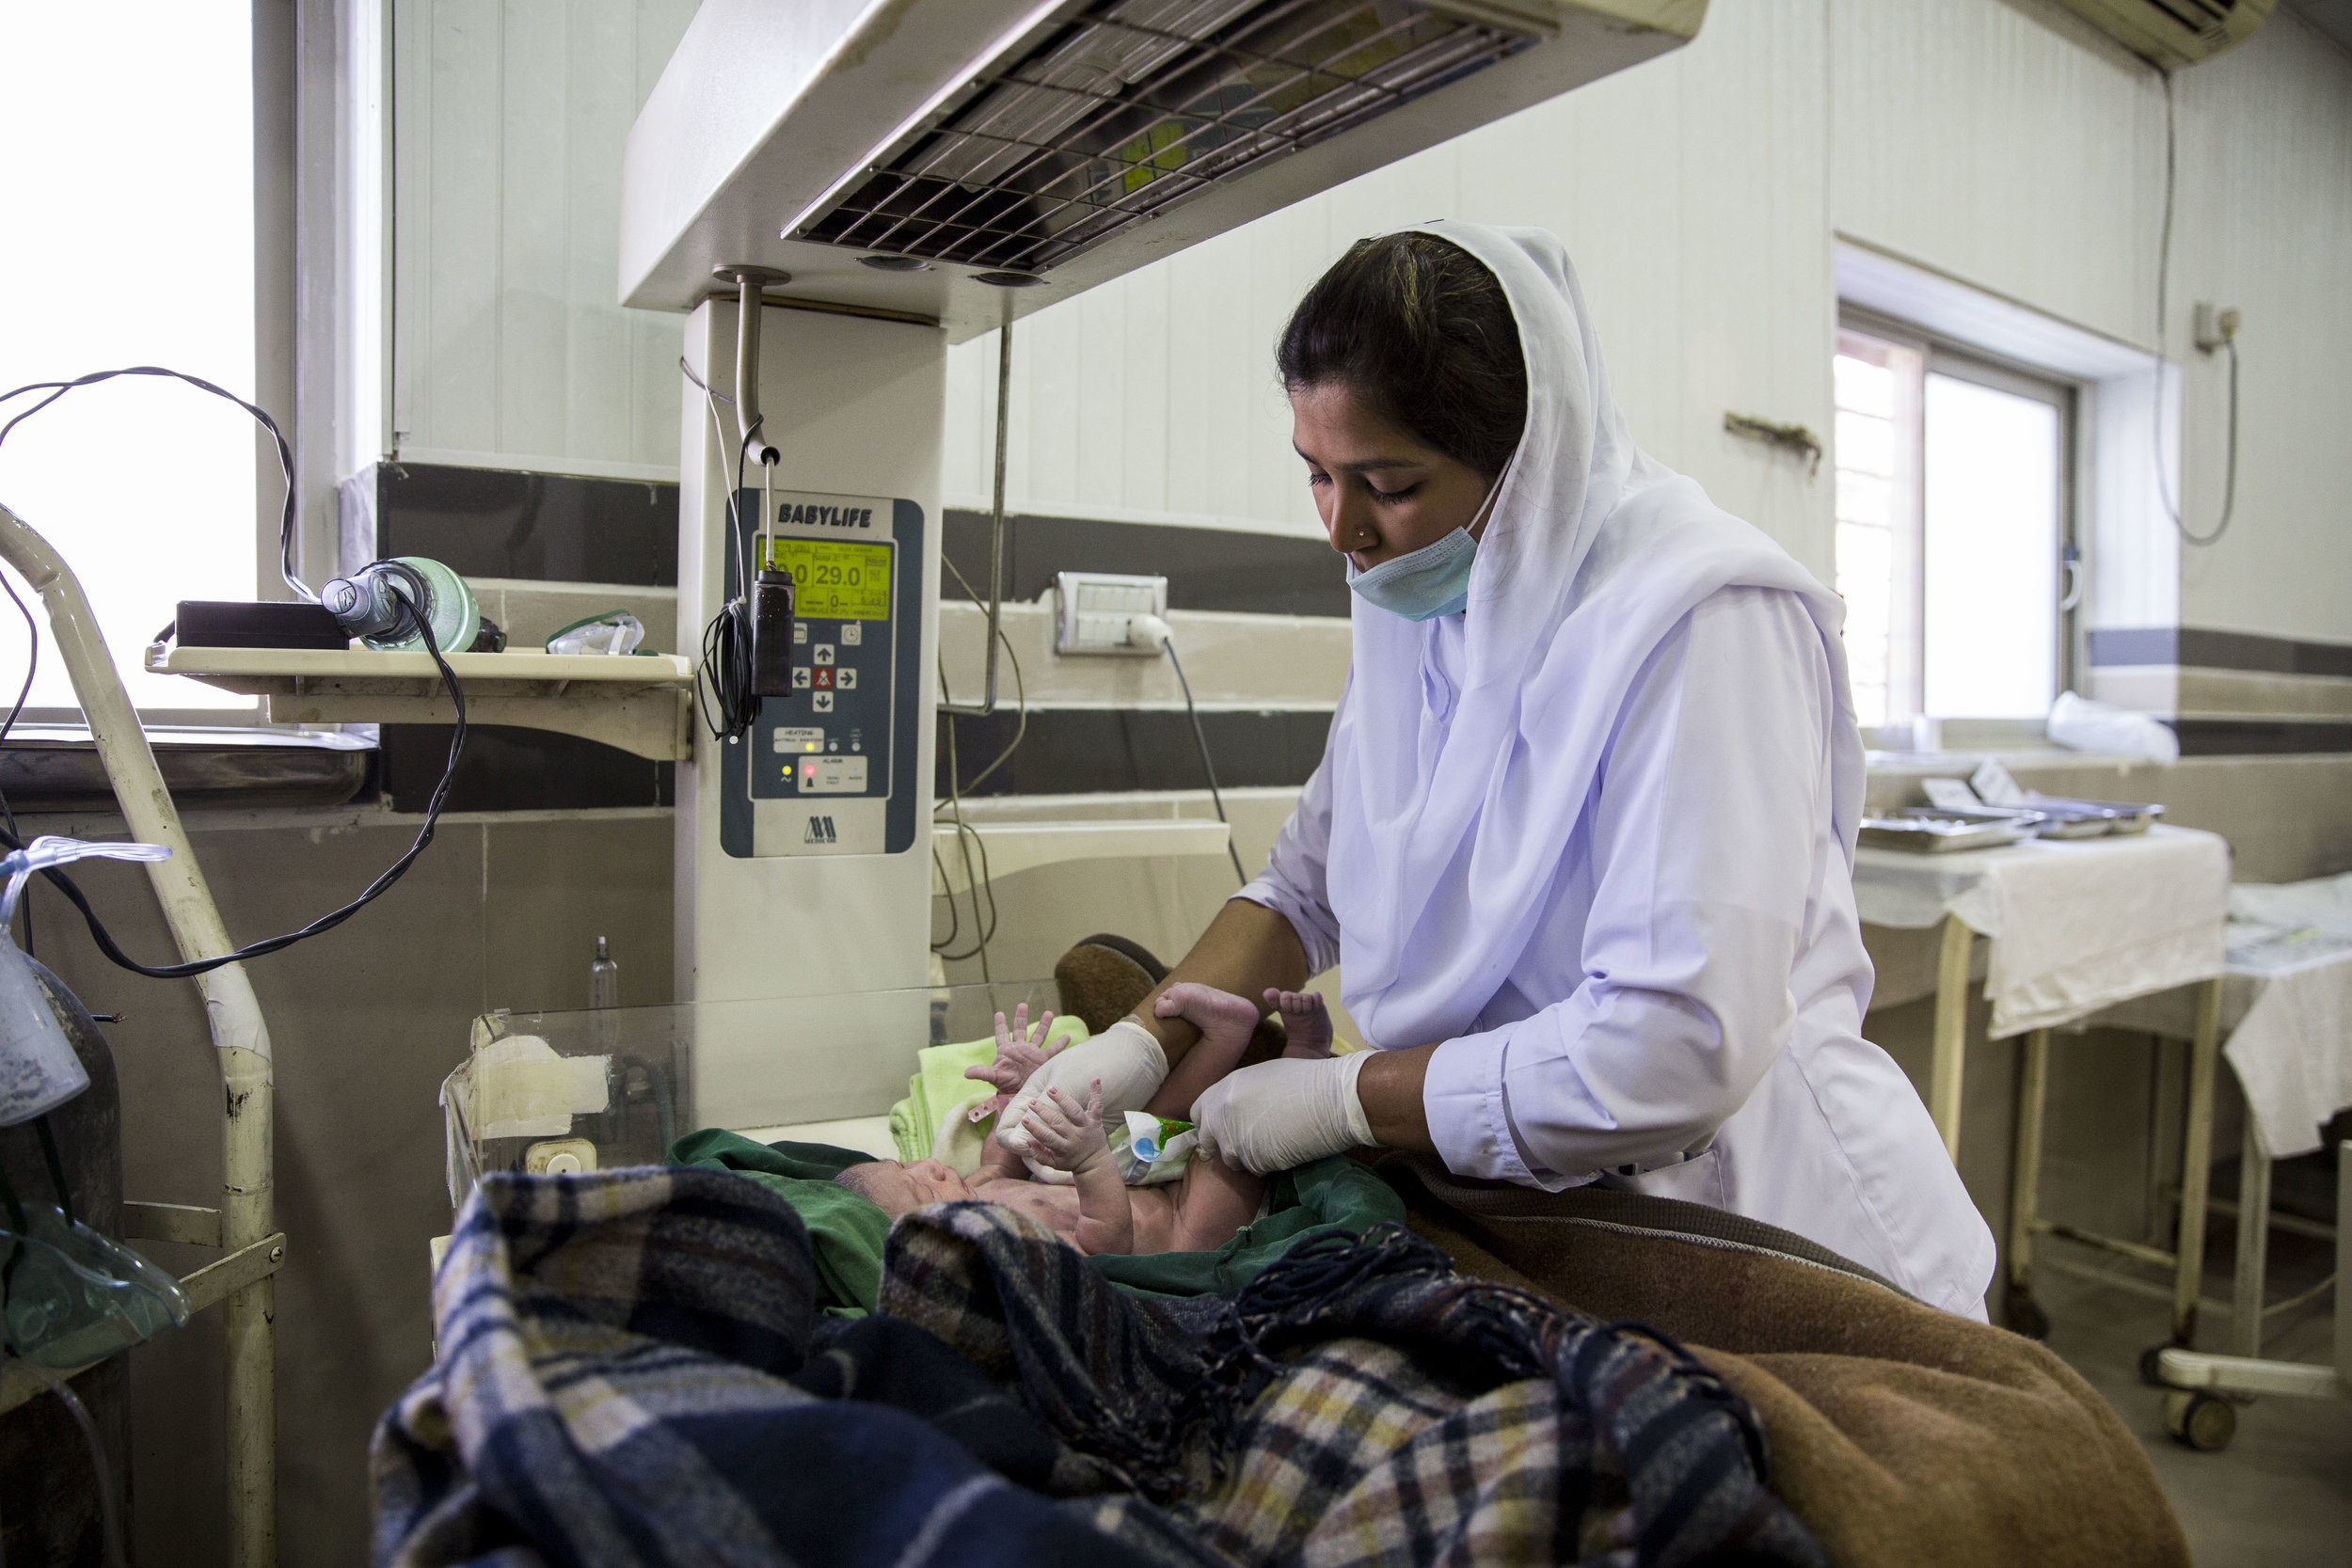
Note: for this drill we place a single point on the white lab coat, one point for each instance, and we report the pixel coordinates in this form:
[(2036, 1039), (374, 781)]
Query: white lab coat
[(1594, 836), (1698, 980)]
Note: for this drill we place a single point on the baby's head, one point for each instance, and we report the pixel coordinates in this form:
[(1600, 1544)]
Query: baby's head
[(897, 1187)]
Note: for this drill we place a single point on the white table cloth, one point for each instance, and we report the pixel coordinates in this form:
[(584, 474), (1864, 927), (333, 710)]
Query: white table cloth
[(2286, 1008), (2073, 926)]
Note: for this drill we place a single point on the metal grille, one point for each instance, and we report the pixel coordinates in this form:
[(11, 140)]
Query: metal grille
[(1134, 104), (2208, 20)]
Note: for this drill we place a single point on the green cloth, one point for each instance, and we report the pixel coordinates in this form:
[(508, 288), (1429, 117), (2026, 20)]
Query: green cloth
[(845, 1231), (1334, 1195), (939, 1086)]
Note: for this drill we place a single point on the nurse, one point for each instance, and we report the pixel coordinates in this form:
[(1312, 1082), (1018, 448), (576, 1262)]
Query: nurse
[(1582, 838)]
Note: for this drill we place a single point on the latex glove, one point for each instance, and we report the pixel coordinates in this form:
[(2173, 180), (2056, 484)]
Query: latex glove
[(1281, 1113), (1126, 1057)]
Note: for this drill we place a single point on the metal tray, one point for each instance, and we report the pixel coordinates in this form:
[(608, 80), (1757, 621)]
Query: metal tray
[(1929, 830), (2026, 818), (2078, 818)]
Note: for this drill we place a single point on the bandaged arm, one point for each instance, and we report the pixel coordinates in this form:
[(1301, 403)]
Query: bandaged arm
[(1701, 858)]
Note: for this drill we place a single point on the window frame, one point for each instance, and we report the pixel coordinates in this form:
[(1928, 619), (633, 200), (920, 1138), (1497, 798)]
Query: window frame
[(1939, 355)]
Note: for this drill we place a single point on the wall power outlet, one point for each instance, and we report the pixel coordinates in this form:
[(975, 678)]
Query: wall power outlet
[(2215, 326), (1097, 610)]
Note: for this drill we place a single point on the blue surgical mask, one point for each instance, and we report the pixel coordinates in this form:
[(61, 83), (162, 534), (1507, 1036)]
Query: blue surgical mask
[(1432, 582)]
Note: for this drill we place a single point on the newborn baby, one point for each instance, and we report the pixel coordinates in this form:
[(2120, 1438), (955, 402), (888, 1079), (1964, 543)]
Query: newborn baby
[(1098, 1212)]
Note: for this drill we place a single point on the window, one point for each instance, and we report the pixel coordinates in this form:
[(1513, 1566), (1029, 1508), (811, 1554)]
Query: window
[(129, 195), (1955, 544)]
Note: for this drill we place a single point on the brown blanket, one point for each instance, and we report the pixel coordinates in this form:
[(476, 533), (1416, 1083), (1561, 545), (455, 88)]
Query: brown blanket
[(1900, 1435)]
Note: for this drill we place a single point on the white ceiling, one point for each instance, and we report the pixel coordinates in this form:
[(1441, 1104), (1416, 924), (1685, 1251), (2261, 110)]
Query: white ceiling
[(2332, 17)]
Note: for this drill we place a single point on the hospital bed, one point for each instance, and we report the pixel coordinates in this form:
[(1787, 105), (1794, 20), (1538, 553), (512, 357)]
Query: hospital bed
[(1999, 1448)]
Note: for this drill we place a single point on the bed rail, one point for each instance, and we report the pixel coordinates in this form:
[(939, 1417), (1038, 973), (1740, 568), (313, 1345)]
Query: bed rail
[(252, 1251)]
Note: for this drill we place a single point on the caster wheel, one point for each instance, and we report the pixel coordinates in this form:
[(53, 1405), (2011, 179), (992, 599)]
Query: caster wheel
[(2205, 1423), (2025, 1314), (2150, 1374)]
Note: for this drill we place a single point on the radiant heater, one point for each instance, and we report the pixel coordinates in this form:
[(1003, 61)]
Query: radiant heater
[(891, 177)]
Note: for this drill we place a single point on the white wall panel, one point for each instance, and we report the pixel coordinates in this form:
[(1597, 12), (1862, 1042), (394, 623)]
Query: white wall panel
[(2022, 153), (508, 344), (2017, 153), (1691, 192), (2266, 224), (1999, 142)]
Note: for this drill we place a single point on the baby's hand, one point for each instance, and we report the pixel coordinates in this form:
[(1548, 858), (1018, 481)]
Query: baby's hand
[(1066, 1136), (1020, 1052)]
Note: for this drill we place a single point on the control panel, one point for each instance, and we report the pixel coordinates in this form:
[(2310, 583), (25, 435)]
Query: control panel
[(830, 770)]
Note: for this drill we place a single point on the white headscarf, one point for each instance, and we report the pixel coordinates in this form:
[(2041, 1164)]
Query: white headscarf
[(1448, 828)]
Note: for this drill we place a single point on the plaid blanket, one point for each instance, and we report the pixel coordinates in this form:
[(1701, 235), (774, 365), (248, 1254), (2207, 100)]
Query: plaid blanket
[(1356, 1403), (631, 1372), (614, 1387)]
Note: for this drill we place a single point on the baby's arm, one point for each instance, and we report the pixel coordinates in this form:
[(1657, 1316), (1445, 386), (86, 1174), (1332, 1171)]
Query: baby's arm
[(1069, 1136), (1214, 1200), (1225, 1021), (1000, 1162)]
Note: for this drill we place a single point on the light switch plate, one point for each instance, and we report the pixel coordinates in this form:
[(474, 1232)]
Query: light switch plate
[(1095, 609)]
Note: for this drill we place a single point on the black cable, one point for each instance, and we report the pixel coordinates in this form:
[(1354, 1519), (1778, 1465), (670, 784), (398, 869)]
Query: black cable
[(32, 666), (955, 922), (1206, 766), (2155, 419), (968, 838), (285, 534), (411, 602), (285, 451), (723, 680), (1020, 688)]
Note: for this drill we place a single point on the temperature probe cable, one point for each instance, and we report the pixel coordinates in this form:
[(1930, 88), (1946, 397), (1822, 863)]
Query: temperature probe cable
[(405, 590)]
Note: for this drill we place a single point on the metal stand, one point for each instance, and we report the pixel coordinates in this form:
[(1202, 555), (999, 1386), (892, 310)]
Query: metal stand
[(2023, 1312), (1947, 1065), (2199, 1408), (2186, 1258), (2253, 1242), (242, 1228)]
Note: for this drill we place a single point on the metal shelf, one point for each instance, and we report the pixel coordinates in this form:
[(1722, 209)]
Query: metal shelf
[(1025, 845), (642, 703)]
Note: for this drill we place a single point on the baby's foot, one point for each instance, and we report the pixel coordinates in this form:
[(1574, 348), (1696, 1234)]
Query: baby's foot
[(1306, 1023), (1222, 1017)]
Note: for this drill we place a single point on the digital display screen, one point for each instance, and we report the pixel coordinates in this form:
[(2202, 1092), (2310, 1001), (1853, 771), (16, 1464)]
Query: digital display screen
[(834, 582)]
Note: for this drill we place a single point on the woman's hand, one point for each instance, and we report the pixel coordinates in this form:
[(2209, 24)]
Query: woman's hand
[(1281, 1113)]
